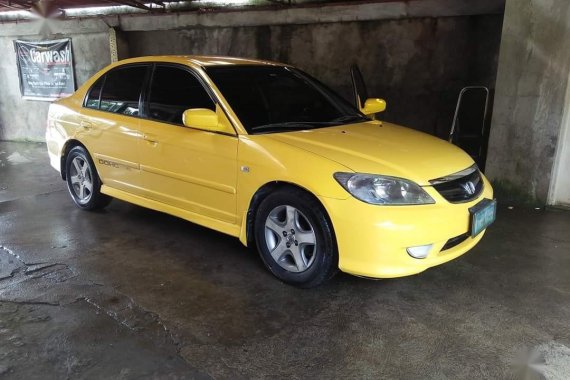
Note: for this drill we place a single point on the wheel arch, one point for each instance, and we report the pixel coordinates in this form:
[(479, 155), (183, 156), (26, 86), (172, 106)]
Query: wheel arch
[(69, 144), (249, 220)]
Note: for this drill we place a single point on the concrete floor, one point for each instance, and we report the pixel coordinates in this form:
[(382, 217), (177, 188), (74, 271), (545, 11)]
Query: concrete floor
[(132, 293)]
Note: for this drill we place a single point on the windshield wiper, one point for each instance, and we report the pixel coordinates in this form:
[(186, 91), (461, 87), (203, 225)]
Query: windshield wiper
[(285, 125), (349, 118), (305, 124)]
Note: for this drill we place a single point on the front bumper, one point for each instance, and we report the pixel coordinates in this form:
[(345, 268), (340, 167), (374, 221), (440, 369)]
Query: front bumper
[(372, 240)]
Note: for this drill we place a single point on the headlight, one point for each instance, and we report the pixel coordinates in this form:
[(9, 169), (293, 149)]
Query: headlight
[(383, 190)]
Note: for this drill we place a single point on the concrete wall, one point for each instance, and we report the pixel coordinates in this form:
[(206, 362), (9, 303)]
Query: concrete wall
[(25, 119), (417, 63), (530, 98), (560, 184)]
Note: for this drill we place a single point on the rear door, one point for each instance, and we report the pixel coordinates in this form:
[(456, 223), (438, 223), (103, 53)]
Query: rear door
[(110, 120)]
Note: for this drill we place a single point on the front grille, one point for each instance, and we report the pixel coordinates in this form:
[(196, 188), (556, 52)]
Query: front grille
[(460, 187), (455, 241)]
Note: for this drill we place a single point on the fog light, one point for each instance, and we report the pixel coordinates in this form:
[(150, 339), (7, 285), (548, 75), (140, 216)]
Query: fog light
[(419, 252)]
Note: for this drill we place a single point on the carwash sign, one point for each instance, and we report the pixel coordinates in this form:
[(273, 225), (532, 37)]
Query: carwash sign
[(45, 69)]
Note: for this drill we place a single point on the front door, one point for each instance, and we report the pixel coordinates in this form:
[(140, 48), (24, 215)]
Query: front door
[(183, 167), (359, 87)]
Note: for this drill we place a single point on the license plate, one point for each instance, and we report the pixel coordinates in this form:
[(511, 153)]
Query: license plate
[(482, 215)]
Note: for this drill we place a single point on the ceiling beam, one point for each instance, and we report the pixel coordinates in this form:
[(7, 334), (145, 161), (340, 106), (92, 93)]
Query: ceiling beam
[(132, 3), (13, 4), (147, 5)]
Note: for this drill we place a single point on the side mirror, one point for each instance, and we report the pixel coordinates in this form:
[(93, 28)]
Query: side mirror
[(202, 118), (372, 106)]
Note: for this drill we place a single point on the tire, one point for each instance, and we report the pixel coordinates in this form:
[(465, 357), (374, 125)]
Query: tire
[(295, 238), (83, 182)]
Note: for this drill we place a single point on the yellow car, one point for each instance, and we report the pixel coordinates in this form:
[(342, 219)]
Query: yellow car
[(266, 153)]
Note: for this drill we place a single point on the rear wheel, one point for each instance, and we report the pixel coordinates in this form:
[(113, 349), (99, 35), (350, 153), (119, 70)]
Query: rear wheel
[(83, 181), (295, 238)]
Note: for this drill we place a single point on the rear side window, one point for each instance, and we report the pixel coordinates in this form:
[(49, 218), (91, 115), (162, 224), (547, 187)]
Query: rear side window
[(122, 90), (94, 94), (173, 91)]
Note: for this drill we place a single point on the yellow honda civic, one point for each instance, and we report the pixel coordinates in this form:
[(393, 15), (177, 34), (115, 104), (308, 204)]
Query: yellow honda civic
[(266, 153)]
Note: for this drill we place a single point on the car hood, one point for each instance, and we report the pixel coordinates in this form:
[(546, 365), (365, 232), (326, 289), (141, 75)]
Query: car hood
[(381, 148)]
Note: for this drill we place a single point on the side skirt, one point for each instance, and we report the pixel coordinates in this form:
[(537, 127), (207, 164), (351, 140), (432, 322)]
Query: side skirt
[(223, 227)]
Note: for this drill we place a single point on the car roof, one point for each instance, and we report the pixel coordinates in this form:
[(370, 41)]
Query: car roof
[(200, 60)]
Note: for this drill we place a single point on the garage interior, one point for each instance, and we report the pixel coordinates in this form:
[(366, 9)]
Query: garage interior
[(134, 293)]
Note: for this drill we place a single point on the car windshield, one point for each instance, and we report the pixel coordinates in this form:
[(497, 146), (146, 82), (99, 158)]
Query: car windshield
[(270, 99)]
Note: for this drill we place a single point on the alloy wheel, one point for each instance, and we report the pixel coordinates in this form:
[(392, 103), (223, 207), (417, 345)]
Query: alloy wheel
[(81, 179), (290, 238)]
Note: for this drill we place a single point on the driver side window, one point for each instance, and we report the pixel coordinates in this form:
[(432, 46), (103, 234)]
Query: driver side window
[(173, 91)]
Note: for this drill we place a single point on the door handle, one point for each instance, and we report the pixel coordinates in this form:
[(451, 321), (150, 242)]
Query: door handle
[(85, 125), (150, 139)]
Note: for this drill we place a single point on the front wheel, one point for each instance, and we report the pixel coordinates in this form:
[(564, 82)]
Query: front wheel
[(295, 238), (83, 181)]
